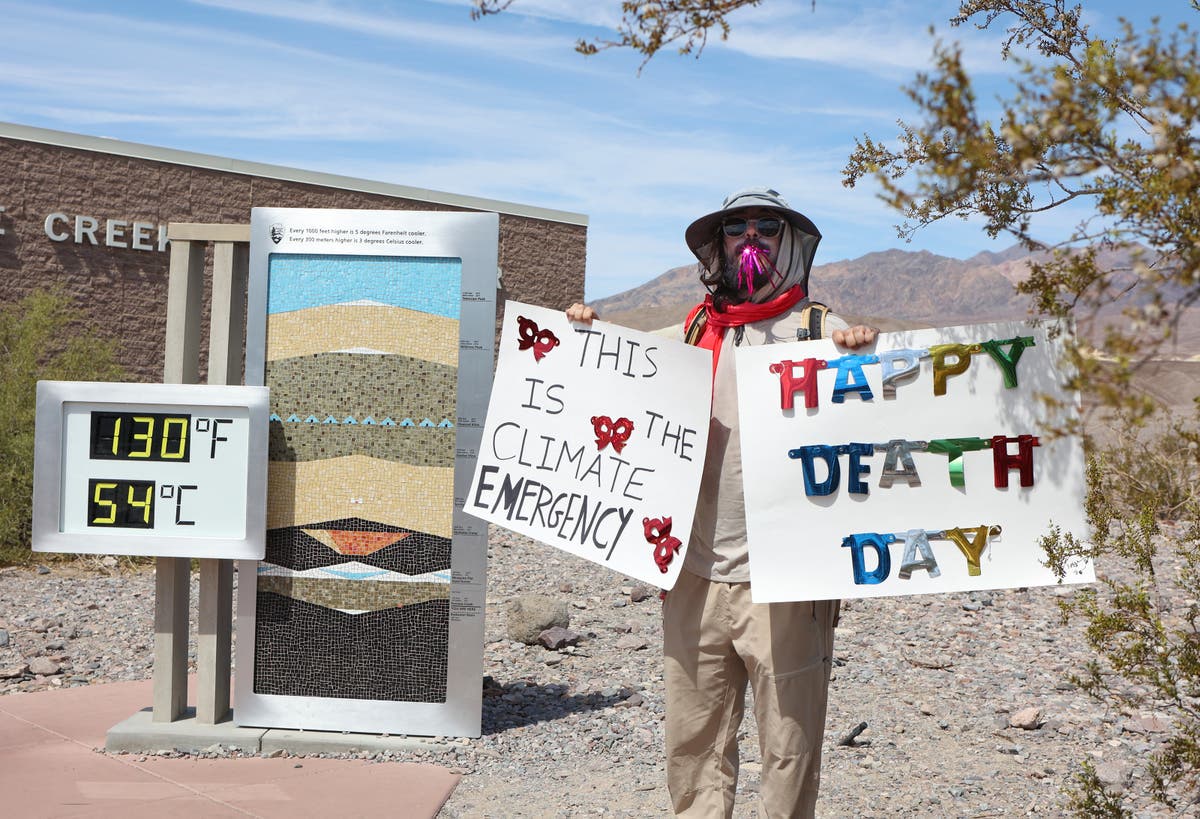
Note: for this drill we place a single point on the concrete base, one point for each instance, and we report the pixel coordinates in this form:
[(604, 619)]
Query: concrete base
[(141, 734)]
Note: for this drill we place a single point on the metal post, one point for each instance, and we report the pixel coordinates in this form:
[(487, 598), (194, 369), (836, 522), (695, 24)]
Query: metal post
[(172, 584), (214, 640)]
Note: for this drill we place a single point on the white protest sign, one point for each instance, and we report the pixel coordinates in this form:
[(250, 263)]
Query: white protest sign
[(911, 467), (594, 441)]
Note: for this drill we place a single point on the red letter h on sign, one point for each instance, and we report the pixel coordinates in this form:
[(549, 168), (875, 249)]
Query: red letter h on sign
[(1003, 462), (789, 384)]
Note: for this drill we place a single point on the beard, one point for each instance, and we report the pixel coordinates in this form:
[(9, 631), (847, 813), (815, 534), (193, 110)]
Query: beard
[(735, 277)]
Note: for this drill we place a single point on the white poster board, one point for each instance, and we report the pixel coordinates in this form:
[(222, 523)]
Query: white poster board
[(594, 441), (903, 494)]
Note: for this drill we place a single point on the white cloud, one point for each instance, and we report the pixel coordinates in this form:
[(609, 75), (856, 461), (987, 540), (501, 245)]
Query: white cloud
[(378, 20)]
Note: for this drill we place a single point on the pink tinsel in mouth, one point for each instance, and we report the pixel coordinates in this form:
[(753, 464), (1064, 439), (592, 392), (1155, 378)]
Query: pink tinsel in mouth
[(753, 262)]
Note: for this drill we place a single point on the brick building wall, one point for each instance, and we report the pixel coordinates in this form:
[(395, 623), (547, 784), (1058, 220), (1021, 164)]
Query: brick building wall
[(115, 199)]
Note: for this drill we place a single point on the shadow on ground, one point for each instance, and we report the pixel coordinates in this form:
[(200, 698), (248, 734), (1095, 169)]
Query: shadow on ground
[(520, 703)]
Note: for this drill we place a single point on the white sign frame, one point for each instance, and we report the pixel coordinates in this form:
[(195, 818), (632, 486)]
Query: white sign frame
[(549, 402), (58, 468), (796, 540)]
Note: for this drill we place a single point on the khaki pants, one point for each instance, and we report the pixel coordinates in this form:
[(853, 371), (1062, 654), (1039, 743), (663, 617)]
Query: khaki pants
[(715, 640)]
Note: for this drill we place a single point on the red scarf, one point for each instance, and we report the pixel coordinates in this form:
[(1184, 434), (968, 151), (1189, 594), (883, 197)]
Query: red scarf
[(735, 315)]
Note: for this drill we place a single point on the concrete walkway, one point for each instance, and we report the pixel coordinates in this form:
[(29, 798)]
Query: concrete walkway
[(50, 767)]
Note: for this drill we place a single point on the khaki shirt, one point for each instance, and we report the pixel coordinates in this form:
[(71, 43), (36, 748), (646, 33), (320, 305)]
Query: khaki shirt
[(718, 549)]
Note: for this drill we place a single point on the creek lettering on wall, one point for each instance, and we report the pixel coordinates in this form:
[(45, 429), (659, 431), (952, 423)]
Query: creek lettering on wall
[(121, 233)]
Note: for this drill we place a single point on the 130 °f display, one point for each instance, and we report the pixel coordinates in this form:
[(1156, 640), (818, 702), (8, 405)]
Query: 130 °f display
[(152, 436), (172, 470)]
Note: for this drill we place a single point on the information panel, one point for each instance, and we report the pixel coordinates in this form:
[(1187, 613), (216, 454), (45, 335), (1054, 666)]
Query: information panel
[(171, 470), (374, 332)]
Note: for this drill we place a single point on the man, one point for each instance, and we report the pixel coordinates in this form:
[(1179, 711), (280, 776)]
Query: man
[(755, 254)]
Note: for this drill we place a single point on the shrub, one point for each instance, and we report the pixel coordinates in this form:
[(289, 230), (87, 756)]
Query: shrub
[(40, 339)]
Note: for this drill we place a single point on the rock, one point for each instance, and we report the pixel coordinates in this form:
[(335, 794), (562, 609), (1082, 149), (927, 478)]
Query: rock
[(531, 614), (1148, 724), (556, 638), (43, 569), (40, 625), (1027, 719), (631, 642), (3, 638), (44, 666), (640, 593), (1113, 775), (13, 671)]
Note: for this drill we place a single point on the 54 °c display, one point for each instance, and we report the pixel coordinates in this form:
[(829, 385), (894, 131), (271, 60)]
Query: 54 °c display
[(172, 470)]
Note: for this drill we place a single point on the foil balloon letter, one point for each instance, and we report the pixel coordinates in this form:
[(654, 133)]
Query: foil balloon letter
[(897, 366), (883, 566), (941, 370), (612, 432), (790, 383), (856, 467), (530, 337), (658, 532), (808, 456), (1002, 461), (917, 540), (954, 449), (1008, 360), (850, 377), (900, 450), (972, 547)]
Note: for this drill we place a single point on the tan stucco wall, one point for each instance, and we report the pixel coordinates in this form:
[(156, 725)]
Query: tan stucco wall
[(124, 291)]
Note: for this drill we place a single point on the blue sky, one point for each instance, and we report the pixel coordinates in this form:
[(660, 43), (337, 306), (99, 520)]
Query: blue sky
[(416, 93)]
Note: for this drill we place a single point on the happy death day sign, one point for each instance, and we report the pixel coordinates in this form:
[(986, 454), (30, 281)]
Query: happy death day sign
[(912, 467), (594, 441)]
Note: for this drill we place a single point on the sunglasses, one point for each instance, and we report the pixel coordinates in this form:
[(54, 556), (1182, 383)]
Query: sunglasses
[(767, 226)]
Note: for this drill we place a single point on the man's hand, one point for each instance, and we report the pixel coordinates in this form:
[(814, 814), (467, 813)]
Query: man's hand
[(581, 312), (858, 336)]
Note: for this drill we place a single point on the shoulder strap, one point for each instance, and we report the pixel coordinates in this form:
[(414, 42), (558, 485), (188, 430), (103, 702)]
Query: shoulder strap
[(693, 325), (812, 320)]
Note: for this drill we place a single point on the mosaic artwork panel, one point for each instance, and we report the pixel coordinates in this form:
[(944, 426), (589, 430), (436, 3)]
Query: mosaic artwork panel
[(426, 284), (313, 441), (337, 385), (366, 329), (413, 497), (353, 571), (313, 651), (352, 596), (362, 358), (296, 548)]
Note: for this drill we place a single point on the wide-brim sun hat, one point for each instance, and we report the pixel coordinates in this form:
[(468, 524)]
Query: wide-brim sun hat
[(700, 233)]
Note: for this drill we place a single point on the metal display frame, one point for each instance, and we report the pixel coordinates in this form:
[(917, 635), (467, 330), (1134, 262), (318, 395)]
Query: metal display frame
[(473, 238)]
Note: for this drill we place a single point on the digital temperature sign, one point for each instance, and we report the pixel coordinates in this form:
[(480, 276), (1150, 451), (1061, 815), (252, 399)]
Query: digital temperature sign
[(172, 470)]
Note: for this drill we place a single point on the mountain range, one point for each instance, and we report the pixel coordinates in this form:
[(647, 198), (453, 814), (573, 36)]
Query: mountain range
[(890, 289)]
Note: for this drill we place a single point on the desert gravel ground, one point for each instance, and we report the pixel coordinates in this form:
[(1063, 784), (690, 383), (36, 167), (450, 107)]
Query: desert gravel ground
[(939, 681)]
